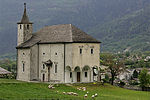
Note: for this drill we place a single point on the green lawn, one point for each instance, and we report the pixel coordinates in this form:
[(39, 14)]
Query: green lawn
[(12, 89)]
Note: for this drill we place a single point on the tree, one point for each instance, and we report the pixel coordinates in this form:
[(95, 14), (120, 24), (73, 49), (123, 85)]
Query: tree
[(127, 54), (115, 65), (144, 79)]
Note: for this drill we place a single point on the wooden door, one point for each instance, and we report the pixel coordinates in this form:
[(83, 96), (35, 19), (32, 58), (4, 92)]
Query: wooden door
[(78, 76)]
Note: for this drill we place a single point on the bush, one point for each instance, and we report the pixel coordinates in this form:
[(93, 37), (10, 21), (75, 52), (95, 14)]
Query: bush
[(122, 83), (134, 82)]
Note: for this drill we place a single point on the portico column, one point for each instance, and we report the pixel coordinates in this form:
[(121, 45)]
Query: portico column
[(92, 75)]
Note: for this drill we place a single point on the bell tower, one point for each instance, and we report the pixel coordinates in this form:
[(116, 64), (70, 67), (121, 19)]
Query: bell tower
[(24, 28)]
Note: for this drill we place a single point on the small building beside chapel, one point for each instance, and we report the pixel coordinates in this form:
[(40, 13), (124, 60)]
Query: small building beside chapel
[(58, 53)]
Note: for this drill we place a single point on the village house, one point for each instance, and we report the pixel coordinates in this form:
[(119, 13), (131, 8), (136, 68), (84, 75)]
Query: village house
[(58, 53), (4, 72)]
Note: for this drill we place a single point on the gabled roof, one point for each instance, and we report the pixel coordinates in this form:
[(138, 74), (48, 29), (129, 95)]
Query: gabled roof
[(25, 19), (65, 33), (4, 71)]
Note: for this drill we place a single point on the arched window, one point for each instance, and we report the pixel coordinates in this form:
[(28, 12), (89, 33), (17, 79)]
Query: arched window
[(70, 74), (43, 66), (20, 26), (27, 26), (85, 74), (23, 65), (92, 51), (55, 68), (56, 53), (80, 51)]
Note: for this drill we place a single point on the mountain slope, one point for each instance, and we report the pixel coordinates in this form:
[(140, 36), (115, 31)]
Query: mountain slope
[(129, 33), (84, 14)]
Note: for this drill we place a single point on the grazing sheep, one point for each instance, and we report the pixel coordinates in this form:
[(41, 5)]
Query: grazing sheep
[(75, 94), (85, 96), (96, 95), (93, 96), (69, 93), (64, 92), (52, 87)]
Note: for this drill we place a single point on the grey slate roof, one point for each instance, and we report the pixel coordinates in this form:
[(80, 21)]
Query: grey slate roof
[(4, 71), (65, 33)]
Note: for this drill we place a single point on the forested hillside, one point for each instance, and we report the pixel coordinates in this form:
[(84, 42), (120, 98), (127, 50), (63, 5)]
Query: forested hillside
[(129, 33), (91, 16)]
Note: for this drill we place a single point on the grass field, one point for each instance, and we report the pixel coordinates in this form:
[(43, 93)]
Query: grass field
[(12, 90)]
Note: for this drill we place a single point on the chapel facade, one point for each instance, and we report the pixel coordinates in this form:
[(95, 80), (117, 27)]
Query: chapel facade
[(57, 53)]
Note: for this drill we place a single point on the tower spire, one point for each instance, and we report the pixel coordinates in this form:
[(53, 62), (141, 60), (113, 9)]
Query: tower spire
[(24, 5), (25, 19)]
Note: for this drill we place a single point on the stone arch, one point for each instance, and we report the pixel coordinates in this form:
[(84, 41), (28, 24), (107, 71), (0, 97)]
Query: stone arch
[(95, 70), (77, 74), (77, 68), (68, 74), (85, 68), (68, 68), (86, 74)]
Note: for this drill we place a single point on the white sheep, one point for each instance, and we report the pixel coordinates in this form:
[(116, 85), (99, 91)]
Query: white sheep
[(75, 94), (52, 87), (93, 96), (85, 95), (96, 95), (69, 93), (64, 92)]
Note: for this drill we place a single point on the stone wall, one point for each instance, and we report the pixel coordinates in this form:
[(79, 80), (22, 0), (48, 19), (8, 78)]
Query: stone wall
[(24, 33), (23, 58), (86, 58), (35, 58), (55, 53), (34, 63)]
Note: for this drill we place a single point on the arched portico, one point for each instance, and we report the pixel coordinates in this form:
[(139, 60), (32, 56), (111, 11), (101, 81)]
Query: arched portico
[(95, 73), (68, 75), (77, 74), (86, 74)]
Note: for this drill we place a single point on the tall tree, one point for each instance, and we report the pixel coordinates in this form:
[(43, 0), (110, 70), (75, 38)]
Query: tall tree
[(115, 65), (144, 79)]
